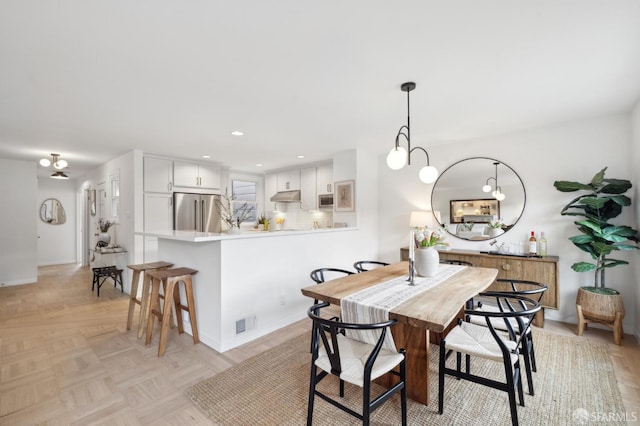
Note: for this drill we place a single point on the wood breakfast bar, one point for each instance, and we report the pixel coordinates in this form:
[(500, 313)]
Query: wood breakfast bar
[(430, 311)]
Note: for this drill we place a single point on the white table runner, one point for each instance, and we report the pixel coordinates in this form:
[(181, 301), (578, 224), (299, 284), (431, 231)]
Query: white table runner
[(373, 304)]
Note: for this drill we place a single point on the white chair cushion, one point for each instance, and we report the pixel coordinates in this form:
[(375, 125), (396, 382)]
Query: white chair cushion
[(478, 341), (497, 323), (353, 356)]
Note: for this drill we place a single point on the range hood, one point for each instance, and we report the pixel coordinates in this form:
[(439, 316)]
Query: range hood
[(287, 196)]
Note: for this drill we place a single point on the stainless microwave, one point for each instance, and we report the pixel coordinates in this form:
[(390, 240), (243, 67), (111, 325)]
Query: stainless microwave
[(325, 201)]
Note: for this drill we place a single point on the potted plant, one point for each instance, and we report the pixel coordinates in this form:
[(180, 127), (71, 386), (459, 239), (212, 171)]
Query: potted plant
[(603, 200), (495, 228)]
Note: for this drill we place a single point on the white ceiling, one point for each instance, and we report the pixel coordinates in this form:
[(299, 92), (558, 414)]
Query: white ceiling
[(92, 80)]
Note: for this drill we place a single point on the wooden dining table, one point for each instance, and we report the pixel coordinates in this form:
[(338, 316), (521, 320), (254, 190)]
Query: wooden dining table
[(430, 311)]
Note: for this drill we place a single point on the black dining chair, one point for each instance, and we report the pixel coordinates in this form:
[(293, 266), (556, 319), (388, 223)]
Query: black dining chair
[(531, 289), (321, 275), (367, 265), (487, 342), (355, 362)]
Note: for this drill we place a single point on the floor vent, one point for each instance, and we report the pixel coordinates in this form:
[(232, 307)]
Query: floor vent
[(245, 324)]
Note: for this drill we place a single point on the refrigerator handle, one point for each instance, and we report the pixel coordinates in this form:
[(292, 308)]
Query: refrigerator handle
[(195, 214), (202, 206)]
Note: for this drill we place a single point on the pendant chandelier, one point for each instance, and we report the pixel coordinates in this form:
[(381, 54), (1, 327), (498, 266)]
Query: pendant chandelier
[(497, 192), (399, 156)]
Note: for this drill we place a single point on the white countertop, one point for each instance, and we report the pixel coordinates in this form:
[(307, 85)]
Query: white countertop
[(197, 237)]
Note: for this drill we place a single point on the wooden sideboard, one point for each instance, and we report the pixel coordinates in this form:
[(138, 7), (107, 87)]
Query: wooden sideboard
[(540, 269)]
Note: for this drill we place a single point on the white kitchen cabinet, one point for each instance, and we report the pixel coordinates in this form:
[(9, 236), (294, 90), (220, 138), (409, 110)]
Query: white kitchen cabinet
[(194, 175), (324, 179), (158, 216), (289, 181), (308, 198), (158, 174), (270, 188)]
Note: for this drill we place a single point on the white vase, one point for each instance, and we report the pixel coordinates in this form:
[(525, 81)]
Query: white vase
[(494, 232), (104, 239), (427, 260)]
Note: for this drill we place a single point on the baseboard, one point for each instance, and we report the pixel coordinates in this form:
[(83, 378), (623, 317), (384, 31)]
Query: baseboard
[(33, 280)]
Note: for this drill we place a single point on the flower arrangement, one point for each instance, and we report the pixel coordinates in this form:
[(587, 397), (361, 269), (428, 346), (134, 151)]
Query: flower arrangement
[(496, 224), (227, 213), (104, 225), (426, 238)]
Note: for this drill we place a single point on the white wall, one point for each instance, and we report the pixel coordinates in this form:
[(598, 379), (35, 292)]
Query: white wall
[(18, 227), (57, 243), (635, 178), (123, 231), (569, 151)]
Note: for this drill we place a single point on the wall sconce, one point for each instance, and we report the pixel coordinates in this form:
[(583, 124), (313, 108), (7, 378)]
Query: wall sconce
[(399, 156), (497, 193), (57, 163)]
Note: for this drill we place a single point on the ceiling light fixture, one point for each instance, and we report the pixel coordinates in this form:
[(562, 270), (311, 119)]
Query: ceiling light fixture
[(237, 133), (399, 156), (59, 175), (57, 164), (55, 160), (497, 193)]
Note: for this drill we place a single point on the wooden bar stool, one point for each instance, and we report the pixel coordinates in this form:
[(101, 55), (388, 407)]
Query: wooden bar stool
[(171, 278), (144, 298)]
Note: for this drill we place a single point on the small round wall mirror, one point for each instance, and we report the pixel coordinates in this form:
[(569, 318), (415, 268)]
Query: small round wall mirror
[(52, 212), (478, 198)]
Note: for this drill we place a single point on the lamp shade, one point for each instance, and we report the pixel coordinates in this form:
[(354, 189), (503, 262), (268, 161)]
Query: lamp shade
[(397, 158), (420, 219)]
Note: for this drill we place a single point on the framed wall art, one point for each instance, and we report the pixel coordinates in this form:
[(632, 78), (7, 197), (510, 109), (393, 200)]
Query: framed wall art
[(344, 196)]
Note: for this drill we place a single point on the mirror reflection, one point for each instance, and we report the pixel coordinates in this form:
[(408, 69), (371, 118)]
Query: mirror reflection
[(478, 198), (52, 212)]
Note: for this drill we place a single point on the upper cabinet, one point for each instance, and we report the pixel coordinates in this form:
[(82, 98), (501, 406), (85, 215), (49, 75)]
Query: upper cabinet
[(158, 174), (324, 179), (193, 175), (288, 181)]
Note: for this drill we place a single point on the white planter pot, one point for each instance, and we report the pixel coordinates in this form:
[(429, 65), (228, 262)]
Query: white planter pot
[(494, 232), (427, 261)]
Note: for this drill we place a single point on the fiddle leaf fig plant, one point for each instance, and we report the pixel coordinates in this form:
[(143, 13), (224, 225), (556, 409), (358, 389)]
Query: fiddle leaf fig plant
[(603, 201)]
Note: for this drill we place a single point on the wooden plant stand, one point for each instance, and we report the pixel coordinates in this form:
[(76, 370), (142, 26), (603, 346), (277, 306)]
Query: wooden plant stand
[(611, 308)]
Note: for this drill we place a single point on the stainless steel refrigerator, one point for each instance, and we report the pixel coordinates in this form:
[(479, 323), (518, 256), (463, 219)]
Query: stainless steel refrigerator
[(196, 212)]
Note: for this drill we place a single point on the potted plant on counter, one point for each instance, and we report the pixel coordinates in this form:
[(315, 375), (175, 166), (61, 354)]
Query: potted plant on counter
[(604, 200)]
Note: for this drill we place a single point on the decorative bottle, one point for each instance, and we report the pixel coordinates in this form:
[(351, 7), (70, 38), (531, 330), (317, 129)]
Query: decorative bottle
[(542, 245), (533, 245)]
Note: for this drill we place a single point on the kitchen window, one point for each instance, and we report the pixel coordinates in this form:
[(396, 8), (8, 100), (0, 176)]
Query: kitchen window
[(244, 198)]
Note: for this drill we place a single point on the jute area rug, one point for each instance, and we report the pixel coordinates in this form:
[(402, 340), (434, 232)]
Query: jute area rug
[(574, 385)]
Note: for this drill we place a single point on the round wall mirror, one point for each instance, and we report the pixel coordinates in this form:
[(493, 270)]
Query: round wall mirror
[(52, 212), (478, 198)]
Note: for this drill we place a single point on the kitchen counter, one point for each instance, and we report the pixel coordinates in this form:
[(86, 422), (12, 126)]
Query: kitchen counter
[(196, 237), (248, 283)]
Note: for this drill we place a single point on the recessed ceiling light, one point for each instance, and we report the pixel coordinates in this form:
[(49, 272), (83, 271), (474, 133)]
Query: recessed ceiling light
[(237, 133), (206, 156), (259, 165), (300, 156)]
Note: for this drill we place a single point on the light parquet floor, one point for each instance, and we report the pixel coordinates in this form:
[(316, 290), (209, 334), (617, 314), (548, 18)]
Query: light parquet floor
[(66, 358)]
